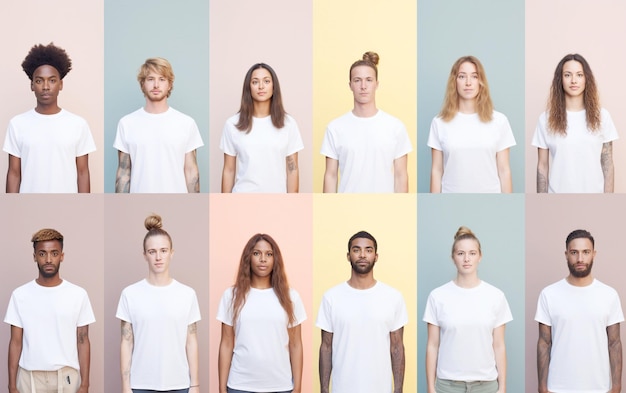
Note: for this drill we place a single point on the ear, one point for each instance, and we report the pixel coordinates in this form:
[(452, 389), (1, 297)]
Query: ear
[(347, 256), (376, 258), (62, 256), (32, 86), (61, 85)]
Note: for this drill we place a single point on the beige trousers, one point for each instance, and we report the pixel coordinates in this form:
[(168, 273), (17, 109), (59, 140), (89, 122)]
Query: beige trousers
[(63, 380)]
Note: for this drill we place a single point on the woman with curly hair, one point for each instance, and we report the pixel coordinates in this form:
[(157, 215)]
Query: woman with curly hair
[(261, 345), (574, 137), (469, 140)]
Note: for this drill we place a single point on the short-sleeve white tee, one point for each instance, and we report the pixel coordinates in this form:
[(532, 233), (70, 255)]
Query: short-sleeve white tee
[(261, 360), (575, 165), (466, 318), (469, 149), (361, 321), (47, 146), (49, 317), (261, 153), (160, 317), (578, 317), (157, 144), (366, 148)]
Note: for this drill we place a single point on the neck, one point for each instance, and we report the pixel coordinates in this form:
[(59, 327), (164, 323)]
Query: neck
[(362, 281), (579, 281), (156, 107), (260, 282), (159, 279), (574, 104), (365, 110), (467, 106), (467, 280), (51, 109), (261, 109), (49, 281)]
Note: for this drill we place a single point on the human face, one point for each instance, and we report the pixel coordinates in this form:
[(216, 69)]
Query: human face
[(158, 254), (48, 255), (466, 256), (156, 87), (573, 78), (262, 259), (46, 85), (467, 81), (362, 255), (363, 84), (579, 256), (261, 85)]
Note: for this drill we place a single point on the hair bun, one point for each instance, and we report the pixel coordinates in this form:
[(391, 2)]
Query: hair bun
[(463, 231), (371, 57), (153, 221)]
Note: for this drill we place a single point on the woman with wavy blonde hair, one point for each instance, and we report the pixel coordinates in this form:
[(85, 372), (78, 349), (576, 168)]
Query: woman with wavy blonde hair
[(466, 319), (469, 140), (261, 343), (577, 128)]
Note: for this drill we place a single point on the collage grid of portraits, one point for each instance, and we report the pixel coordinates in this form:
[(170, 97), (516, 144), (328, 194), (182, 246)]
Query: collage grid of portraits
[(311, 45)]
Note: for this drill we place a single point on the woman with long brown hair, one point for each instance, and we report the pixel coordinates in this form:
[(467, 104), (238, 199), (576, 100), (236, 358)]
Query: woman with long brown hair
[(469, 140), (261, 142), (575, 133), (261, 344)]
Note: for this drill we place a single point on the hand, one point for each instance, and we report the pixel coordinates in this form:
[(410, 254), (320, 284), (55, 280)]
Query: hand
[(194, 389), (83, 389), (127, 390)]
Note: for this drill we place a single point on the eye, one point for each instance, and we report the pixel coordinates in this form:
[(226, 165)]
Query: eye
[(461, 77), (255, 253), (270, 254)]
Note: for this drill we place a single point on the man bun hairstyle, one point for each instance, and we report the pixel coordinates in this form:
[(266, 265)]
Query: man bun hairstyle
[(154, 225), (51, 55), (465, 233), (369, 59)]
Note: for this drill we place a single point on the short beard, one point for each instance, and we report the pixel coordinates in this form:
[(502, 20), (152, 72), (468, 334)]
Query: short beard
[(361, 270), (580, 273), (46, 274)]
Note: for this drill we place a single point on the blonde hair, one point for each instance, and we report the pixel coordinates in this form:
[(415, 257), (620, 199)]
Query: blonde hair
[(369, 59), (154, 225), (159, 65), (46, 234), (484, 105), (465, 233)]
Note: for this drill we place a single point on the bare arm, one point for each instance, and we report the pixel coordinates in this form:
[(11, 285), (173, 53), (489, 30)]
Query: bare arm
[(544, 346), (331, 174), (397, 359), (15, 351), (436, 171), (499, 350), (14, 174), (191, 346), (228, 173), (606, 160), (504, 171), (543, 169), (400, 175), (293, 173), (432, 353), (615, 357), (122, 178), (82, 172), (126, 354), (192, 175), (84, 356), (225, 355), (295, 357), (326, 361)]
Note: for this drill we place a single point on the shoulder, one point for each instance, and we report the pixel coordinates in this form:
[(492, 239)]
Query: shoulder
[(337, 290), (555, 287), (346, 118), (608, 290), (71, 287), (492, 290), (133, 115), (27, 287), (499, 117), (183, 288), (175, 112), (388, 290)]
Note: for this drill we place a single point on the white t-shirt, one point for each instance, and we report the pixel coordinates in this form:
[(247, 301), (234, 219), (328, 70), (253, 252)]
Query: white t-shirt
[(261, 153), (579, 316), (466, 319), (160, 317), (157, 144), (366, 148), (49, 317), (361, 321), (575, 158), (261, 361), (469, 151), (47, 146)]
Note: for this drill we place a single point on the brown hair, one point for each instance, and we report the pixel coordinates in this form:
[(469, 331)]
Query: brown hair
[(154, 225), (369, 59), (246, 110), (46, 234), (465, 233)]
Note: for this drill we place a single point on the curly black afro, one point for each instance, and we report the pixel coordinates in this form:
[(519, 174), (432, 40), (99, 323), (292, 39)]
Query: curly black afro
[(47, 55)]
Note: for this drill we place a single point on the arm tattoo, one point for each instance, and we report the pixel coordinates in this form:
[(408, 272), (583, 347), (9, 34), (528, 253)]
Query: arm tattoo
[(606, 156), (544, 347), (542, 182), (615, 354), (291, 164), (397, 359), (82, 334), (127, 331), (122, 182), (192, 329)]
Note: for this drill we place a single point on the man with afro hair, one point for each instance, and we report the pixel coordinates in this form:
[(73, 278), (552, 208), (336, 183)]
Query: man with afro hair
[(48, 146)]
